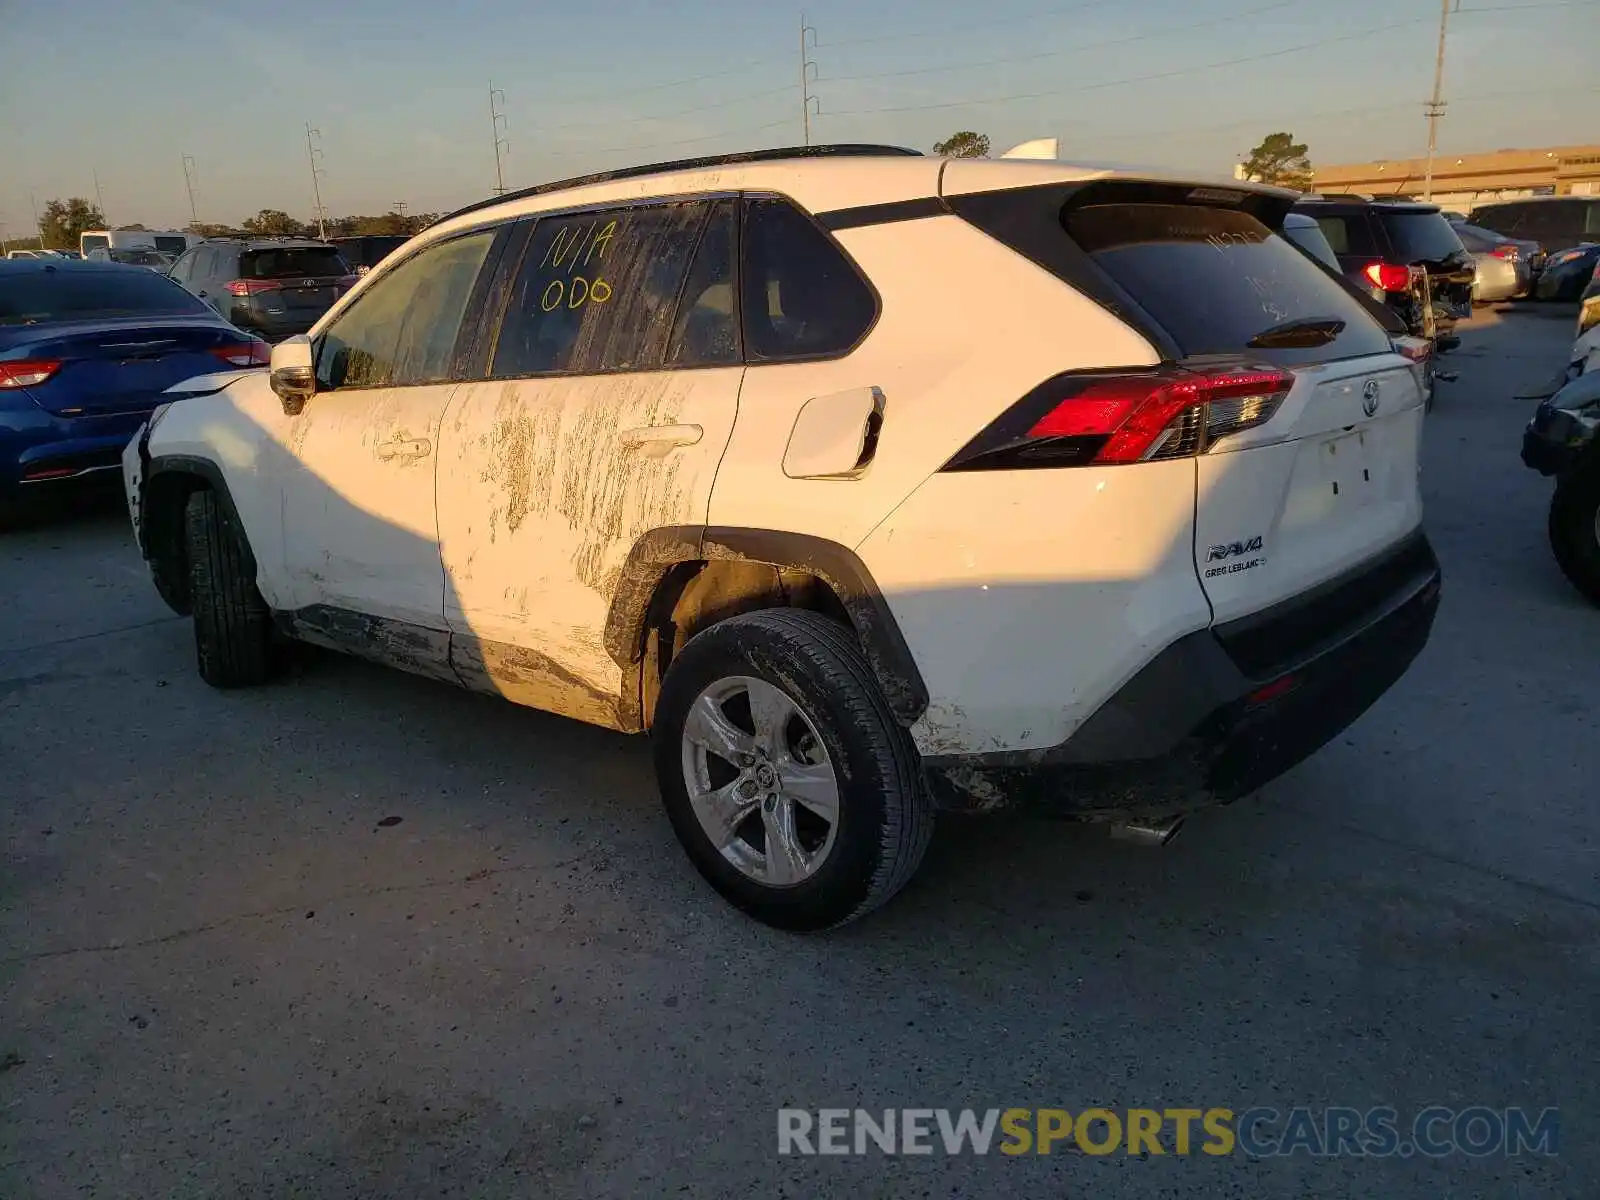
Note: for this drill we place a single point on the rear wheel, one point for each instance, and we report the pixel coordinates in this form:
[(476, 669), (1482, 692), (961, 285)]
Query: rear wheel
[(786, 778), (232, 626), (1575, 527)]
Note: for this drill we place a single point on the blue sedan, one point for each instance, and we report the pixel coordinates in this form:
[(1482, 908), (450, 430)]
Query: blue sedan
[(86, 349)]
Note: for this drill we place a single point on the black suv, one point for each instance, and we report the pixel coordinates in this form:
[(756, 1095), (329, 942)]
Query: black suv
[(1403, 255), (365, 251), (272, 287)]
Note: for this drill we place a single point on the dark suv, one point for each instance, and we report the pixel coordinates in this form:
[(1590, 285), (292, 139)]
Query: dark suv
[(273, 287), (365, 251), (1404, 255)]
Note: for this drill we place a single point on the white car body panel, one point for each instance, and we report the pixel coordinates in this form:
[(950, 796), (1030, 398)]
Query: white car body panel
[(544, 486), (1029, 597)]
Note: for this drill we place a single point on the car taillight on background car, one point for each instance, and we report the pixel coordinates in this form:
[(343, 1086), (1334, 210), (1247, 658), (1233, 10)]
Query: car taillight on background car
[(1506, 251), (1391, 277), (1127, 417), (251, 287), (254, 353), (27, 372)]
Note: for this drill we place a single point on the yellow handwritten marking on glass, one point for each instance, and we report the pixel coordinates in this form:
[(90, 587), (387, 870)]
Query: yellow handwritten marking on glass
[(599, 292), (556, 290), (601, 244), (547, 302)]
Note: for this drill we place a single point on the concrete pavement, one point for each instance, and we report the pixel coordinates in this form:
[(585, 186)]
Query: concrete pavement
[(358, 934)]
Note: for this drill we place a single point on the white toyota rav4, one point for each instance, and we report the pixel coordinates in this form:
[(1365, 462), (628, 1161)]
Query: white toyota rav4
[(868, 483)]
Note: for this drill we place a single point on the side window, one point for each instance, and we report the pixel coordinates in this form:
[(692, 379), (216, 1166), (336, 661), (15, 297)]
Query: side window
[(1337, 233), (706, 332), (801, 297), (402, 330), (1591, 218), (598, 291), (181, 268)]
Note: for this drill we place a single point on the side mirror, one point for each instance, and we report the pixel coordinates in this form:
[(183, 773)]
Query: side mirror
[(293, 376)]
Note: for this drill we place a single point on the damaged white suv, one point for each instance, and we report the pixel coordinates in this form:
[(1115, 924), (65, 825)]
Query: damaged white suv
[(868, 483)]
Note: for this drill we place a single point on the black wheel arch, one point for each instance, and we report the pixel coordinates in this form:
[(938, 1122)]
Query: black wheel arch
[(662, 559), (168, 480)]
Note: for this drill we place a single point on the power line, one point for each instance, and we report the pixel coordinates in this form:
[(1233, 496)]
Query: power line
[(1017, 58), (970, 27), (618, 94), (710, 137), (788, 87), (1089, 87)]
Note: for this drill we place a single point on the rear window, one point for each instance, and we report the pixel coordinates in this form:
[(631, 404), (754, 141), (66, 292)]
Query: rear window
[(89, 295), (289, 261), (1347, 234), (171, 244), (1215, 278), (1420, 237)]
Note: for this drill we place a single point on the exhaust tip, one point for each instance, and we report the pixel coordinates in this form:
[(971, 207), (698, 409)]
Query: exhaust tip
[(1147, 833)]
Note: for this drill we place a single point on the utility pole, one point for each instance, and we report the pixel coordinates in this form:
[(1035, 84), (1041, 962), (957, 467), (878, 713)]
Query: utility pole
[(314, 152), (190, 170), (400, 208), (99, 200), (807, 66), (1436, 105), (497, 124), (33, 202)]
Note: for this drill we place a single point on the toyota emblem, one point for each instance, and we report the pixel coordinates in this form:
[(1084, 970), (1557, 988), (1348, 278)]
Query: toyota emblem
[(1369, 397)]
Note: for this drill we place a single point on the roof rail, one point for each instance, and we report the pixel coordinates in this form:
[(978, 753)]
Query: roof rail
[(844, 150)]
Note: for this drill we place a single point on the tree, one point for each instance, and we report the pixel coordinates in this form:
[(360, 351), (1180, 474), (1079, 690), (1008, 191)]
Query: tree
[(207, 229), (1281, 160), (63, 221), (272, 222), (964, 144)]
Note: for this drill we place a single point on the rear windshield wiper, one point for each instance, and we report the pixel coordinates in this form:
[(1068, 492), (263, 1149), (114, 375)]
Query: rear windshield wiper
[(1302, 333)]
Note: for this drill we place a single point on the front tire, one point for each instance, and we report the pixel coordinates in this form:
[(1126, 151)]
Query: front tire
[(1575, 527), (784, 773), (232, 625)]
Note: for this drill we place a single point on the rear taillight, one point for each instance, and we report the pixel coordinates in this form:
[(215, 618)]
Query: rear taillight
[(1417, 350), (27, 372), (1128, 417), (1506, 251), (250, 287), (1391, 277), (254, 353)]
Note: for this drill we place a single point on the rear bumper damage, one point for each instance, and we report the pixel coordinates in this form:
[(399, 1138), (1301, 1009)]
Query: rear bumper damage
[(1221, 712)]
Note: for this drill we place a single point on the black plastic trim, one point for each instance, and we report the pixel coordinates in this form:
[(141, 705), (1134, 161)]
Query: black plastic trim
[(884, 214), (190, 464), (658, 551)]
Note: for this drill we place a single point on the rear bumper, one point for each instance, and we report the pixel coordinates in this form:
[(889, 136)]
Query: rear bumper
[(1223, 711), (39, 450), (283, 324)]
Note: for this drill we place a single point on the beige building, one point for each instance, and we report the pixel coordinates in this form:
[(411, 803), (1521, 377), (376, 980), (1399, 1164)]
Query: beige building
[(1459, 181)]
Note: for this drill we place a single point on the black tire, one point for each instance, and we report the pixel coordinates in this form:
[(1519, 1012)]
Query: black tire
[(232, 625), (1575, 527), (885, 817)]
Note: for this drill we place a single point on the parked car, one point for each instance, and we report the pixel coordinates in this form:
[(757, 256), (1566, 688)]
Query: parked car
[(866, 482), (152, 260), (1303, 231), (86, 350), (1555, 222), (1567, 273), (1563, 440), (271, 287), (1405, 255), (1503, 266), (366, 251)]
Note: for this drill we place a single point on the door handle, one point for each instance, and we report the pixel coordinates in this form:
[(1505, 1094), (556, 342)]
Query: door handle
[(656, 440), (415, 448)]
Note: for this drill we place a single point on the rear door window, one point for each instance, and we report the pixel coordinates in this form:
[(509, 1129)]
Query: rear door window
[(598, 291), (1347, 233), (1420, 237), (801, 297), (289, 262), (706, 332), (1216, 278)]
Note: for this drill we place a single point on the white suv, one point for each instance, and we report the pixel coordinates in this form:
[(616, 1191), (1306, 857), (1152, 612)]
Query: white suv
[(868, 483)]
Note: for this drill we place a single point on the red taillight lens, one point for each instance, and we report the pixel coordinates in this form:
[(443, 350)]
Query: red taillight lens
[(1506, 251), (27, 372), (251, 287), (1415, 349), (254, 353), (1169, 412), (1389, 276)]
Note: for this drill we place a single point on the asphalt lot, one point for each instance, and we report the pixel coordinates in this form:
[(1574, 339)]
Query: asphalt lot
[(225, 970)]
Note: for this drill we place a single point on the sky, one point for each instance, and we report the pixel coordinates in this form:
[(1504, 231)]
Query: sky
[(122, 90)]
